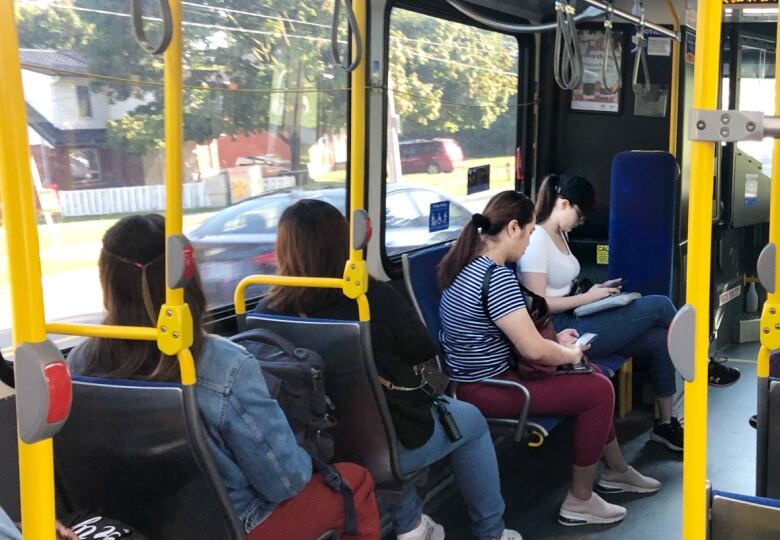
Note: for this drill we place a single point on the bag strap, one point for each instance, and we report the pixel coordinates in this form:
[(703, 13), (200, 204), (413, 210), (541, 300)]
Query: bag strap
[(336, 482), (486, 290), (261, 335)]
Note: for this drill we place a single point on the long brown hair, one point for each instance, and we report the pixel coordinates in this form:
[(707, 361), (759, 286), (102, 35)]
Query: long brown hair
[(132, 275), (500, 211), (312, 241), (576, 189)]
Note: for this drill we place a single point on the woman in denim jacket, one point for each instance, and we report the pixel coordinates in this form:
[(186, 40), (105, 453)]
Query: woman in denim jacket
[(267, 475)]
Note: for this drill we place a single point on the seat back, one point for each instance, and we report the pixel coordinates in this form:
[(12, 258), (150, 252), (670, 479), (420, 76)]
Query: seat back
[(768, 438), (420, 276), (641, 221), (365, 434), (9, 459), (739, 517), (136, 451)]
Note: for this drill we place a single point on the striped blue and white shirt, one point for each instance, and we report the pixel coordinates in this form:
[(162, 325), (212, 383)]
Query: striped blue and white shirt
[(476, 348)]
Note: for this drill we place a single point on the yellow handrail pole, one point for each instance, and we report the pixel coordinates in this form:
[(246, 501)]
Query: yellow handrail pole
[(36, 467), (136, 333), (356, 271), (239, 294), (174, 136), (175, 323), (705, 96), (674, 91)]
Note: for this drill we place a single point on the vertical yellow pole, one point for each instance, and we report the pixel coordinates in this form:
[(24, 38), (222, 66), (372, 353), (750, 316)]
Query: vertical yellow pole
[(773, 298), (674, 91), (705, 96), (174, 136), (36, 469), (357, 154)]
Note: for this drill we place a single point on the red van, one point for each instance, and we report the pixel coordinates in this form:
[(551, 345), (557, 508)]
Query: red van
[(430, 155)]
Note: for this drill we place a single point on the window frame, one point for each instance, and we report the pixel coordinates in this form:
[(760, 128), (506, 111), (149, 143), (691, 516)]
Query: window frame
[(525, 85)]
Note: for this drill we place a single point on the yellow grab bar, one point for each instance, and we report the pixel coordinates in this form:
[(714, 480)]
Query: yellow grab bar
[(36, 467), (295, 281), (139, 333), (705, 96)]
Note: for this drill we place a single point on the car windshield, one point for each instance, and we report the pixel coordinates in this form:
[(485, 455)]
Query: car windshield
[(261, 214)]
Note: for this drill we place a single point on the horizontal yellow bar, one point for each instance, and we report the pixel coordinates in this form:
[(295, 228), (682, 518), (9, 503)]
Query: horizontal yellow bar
[(141, 333), (282, 281)]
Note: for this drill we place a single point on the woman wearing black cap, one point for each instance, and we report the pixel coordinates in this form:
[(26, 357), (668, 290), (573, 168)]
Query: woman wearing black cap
[(637, 330)]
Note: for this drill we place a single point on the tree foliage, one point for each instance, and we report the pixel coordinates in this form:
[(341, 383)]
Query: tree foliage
[(235, 51)]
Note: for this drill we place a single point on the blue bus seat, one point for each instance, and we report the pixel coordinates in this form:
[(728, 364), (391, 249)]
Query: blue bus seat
[(364, 433), (642, 199), (136, 451), (420, 276), (742, 517)]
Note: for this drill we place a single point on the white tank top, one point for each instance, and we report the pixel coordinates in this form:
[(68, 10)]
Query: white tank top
[(544, 257)]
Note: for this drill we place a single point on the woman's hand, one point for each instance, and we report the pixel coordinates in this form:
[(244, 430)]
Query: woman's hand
[(568, 336), (599, 292), (64, 533)]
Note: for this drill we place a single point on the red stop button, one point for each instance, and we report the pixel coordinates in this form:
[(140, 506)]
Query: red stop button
[(60, 391)]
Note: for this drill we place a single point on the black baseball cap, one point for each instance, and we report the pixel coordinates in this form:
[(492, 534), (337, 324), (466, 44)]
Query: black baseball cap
[(579, 191)]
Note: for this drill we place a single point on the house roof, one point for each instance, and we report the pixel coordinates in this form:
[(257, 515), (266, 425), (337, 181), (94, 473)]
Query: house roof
[(63, 138), (48, 60)]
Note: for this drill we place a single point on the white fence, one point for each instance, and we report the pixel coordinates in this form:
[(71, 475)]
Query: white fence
[(100, 202), (215, 192)]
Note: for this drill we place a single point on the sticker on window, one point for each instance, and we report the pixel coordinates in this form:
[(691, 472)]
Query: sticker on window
[(439, 218)]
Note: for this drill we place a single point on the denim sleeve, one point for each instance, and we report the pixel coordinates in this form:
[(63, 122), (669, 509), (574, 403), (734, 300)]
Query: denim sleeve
[(261, 439)]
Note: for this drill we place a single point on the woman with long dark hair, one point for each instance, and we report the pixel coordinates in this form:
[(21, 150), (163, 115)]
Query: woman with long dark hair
[(487, 332), (313, 240), (267, 475), (549, 269)]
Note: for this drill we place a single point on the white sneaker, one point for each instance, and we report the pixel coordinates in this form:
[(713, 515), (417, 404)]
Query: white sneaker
[(595, 510), (426, 530), (631, 481), (509, 534)]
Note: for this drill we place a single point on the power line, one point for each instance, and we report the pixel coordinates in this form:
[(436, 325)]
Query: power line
[(218, 9)]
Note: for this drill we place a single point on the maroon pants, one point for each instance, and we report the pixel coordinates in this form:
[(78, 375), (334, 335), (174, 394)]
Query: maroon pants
[(317, 509), (590, 398)]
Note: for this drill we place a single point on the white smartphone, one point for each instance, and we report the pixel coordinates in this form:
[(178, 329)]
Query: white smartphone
[(586, 339)]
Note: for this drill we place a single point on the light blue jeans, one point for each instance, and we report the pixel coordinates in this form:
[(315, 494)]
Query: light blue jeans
[(638, 330), (474, 465), (8, 530)]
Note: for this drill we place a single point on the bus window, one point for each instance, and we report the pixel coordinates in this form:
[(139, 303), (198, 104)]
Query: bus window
[(452, 106), (263, 112), (757, 93)]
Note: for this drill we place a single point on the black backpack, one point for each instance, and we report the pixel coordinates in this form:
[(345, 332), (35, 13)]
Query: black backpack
[(296, 379)]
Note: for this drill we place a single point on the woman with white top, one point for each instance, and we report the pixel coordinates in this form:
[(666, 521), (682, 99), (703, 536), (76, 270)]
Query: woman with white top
[(637, 330)]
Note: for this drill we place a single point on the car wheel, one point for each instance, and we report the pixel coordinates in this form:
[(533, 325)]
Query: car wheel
[(433, 168)]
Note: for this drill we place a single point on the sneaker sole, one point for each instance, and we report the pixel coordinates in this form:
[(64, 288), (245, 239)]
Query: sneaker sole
[(661, 440), (573, 519), (721, 385), (604, 486)]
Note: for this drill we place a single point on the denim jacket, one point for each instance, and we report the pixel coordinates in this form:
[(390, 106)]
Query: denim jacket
[(253, 446)]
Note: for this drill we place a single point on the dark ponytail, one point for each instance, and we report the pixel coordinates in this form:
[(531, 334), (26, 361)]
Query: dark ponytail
[(546, 197), (500, 210)]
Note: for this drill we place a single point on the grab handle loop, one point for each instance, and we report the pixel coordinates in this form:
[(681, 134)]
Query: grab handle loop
[(641, 89), (137, 15), (567, 65), (335, 51), (610, 51)]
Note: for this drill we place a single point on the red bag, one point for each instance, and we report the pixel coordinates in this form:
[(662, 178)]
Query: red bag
[(540, 314)]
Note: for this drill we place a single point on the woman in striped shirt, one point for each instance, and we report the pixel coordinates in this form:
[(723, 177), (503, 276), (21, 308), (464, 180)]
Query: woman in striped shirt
[(478, 340)]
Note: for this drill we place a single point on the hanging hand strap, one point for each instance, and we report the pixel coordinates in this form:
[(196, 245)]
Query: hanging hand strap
[(610, 51), (137, 15), (344, 63), (641, 89)]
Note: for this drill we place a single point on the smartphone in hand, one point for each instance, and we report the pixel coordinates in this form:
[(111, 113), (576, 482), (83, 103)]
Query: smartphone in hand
[(586, 339)]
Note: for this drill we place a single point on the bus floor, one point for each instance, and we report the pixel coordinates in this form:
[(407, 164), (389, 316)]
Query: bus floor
[(535, 481)]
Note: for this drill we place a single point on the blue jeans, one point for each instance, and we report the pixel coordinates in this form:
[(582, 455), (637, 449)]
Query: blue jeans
[(475, 467), (638, 330)]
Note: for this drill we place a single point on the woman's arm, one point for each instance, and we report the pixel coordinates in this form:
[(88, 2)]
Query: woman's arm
[(537, 283), (519, 328)]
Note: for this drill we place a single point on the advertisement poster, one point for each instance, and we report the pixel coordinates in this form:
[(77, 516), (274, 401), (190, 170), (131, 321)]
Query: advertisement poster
[(591, 95)]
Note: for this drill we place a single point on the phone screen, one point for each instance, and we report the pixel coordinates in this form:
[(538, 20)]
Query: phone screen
[(585, 339)]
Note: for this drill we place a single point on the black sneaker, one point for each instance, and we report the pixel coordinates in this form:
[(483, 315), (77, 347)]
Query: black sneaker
[(670, 435), (720, 374), (753, 421)]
